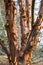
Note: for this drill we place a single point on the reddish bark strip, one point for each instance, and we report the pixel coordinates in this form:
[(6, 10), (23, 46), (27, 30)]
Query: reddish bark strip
[(29, 14), (23, 23), (11, 27), (34, 38), (32, 41)]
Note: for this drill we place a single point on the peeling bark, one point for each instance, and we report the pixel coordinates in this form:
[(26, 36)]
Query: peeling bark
[(29, 14), (11, 28), (23, 23), (30, 35)]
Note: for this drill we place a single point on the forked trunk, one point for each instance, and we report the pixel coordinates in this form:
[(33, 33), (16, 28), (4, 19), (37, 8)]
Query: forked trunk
[(29, 32)]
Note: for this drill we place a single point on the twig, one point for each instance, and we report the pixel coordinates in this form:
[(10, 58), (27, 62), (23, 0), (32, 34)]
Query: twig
[(6, 50)]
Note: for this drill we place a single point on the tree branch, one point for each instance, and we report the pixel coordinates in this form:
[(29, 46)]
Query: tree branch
[(23, 23), (29, 14), (33, 5), (35, 31), (6, 50)]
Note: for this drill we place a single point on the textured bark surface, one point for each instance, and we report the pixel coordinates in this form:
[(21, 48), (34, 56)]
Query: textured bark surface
[(23, 23), (29, 14), (11, 28), (30, 31)]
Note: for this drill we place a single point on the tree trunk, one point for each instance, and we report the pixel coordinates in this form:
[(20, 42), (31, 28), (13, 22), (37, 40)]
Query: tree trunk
[(11, 29), (29, 23), (29, 32), (29, 14), (23, 23)]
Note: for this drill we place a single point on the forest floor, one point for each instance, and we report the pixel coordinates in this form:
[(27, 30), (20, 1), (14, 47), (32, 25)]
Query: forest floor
[(4, 61), (8, 64)]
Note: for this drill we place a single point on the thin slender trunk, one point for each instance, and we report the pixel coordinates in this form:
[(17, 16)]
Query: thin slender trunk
[(11, 28), (33, 5), (29, 25), (23, 23), (29, 14)]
